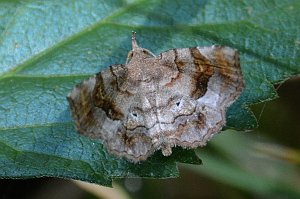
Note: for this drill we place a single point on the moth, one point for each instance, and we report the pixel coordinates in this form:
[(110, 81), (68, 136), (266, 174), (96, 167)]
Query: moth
[(150, 103)]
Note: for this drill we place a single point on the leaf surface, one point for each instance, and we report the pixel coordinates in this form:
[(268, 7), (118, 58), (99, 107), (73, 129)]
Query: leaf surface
[(46, 47)]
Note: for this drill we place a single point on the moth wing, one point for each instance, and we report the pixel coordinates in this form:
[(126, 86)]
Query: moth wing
[(91, 104), (99, 107), (209, 77)]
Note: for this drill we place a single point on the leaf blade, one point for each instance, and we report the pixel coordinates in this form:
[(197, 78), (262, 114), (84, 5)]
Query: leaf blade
[(41, 63)]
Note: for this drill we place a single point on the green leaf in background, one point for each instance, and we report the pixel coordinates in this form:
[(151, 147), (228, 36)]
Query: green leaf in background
[(46, 47)]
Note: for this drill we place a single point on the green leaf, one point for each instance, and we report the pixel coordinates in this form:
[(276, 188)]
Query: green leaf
[(57, 150), (46, 47)]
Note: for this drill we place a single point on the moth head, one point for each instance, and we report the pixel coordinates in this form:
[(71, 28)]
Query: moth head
[(138, 52)]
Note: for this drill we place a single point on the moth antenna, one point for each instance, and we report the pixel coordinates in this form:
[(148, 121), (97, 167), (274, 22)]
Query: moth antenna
[(134, 42)]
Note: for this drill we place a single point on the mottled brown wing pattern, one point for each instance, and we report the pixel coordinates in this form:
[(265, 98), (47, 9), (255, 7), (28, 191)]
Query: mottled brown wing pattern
[(209, 79), (178, 98)]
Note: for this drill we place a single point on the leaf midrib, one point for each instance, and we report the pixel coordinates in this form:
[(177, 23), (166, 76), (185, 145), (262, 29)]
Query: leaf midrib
[(49, 124), (89, 28), (106, 21)]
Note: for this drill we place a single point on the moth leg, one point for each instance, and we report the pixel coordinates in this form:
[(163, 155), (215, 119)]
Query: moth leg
[(129, 56), (148, 52), (145, 51)]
